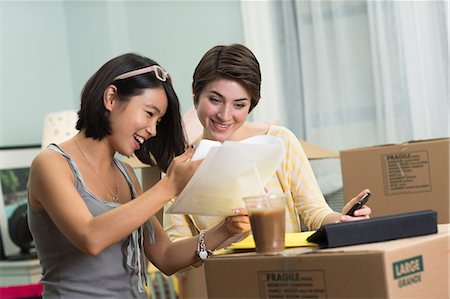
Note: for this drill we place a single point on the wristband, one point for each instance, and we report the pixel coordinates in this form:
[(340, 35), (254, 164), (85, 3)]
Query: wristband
[(202, 252)]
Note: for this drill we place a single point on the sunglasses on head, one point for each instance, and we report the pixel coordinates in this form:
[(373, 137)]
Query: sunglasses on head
[(160, 73)]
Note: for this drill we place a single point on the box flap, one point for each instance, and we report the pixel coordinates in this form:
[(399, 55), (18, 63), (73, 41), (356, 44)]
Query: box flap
[(134, 162), (429, 140), (314, 151), (370, 147)]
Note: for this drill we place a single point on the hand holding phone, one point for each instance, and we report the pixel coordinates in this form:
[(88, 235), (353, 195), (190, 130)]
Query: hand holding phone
[(358, 205)]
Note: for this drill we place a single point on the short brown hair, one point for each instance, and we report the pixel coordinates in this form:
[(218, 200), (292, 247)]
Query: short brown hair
[(235, 62)]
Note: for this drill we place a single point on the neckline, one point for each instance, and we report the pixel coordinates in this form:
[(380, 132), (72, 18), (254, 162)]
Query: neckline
[(79, 176)]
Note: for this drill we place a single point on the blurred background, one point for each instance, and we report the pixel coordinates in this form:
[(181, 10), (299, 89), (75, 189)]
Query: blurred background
[(340, 74)]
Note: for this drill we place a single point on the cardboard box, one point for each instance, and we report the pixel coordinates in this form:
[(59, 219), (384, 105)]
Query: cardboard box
[(192, 283), (315, 152), (408, 268), (403, 177)]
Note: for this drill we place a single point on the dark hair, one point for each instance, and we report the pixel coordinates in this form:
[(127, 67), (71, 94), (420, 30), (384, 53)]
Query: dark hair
[(235, 62), (170, 140)]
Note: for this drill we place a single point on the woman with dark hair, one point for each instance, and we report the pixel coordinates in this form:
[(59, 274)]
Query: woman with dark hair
[(92, 225), (226, 88)]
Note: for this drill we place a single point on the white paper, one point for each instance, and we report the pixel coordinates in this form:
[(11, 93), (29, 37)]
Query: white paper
[(203, 148), (228, 173)]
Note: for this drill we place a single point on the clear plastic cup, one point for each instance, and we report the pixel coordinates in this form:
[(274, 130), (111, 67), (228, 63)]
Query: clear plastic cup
[(267, 214)]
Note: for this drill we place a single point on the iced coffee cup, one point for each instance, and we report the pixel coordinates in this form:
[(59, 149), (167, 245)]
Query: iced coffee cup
[(267, 219)]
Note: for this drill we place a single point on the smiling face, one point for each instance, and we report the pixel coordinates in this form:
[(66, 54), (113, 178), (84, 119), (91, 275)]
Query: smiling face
[(136, 121), (222, 108)]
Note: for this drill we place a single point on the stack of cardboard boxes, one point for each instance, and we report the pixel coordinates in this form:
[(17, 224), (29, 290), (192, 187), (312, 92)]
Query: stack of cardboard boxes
[(407, 268), (404, 177)]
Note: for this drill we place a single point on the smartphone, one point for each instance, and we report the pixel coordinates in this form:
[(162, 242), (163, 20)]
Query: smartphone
[(358, 205)]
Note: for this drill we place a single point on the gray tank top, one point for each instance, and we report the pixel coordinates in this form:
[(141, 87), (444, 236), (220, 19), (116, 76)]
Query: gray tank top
[(117, 272)]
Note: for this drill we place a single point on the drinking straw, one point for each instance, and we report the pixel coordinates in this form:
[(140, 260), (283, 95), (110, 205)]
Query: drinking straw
[(258, 177)]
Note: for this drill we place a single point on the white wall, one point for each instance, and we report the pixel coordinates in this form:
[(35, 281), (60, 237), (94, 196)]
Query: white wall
[(48, 50)]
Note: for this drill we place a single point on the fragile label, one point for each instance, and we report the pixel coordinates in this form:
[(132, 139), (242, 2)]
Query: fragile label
[(307, 284), (406, 172)]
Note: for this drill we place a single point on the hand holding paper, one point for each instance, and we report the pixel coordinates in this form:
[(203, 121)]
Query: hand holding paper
[(229, 172)]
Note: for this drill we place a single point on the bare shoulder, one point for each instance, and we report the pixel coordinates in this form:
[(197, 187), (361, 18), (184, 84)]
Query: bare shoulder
[(47, 158), (47, 168), (50, 164)]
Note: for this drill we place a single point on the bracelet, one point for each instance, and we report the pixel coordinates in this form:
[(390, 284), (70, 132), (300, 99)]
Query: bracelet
[(202, 252)]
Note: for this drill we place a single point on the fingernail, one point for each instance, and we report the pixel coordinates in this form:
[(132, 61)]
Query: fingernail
[(236, 211)]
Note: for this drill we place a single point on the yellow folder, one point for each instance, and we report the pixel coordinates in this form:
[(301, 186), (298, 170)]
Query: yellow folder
[(291, 240)]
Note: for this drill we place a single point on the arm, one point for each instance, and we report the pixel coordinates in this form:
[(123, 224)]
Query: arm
[(308, 198), (51, 187), (296, 176), (179, 227), (170, 257)]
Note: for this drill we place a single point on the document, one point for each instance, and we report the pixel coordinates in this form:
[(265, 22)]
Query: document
[(229, 172)]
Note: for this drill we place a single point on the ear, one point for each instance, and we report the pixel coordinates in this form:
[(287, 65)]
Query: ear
[(110, 97), (195, 102)]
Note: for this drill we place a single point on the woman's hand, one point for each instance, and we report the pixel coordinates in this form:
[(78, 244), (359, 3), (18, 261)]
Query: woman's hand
[(239, 223), (231, 229), (360, 214), (181, 169)]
